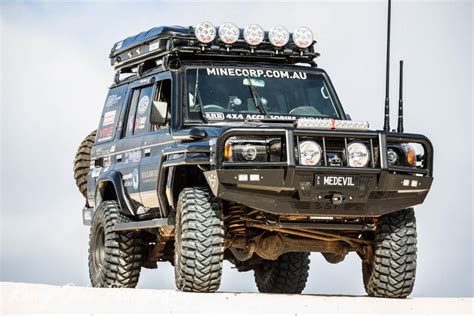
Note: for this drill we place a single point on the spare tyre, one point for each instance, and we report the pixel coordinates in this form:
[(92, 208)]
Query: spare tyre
[(82, 162)]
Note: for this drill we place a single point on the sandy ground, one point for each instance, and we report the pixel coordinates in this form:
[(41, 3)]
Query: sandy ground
[(39, 298)]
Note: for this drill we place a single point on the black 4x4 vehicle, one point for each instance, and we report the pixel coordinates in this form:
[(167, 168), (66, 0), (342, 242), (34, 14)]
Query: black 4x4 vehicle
[(222, 147)]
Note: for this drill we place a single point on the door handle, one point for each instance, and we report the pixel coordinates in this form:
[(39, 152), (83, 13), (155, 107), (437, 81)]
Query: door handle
[(147, 152), (119, 158)]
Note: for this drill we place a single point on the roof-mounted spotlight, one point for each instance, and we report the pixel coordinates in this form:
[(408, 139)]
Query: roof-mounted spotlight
[(205, 32), (303, 37), (229, 33), (254, 34), (278, 36)]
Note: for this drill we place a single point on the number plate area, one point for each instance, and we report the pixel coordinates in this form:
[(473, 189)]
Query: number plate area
[(336, 181)]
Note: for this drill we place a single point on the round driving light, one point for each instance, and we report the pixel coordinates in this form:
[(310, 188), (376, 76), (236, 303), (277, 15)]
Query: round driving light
[(205, 32), (310, 153), (249, 152), (303, 37), (358, 155), (392, 156), (278, 36), (254, 34), (229, 33)]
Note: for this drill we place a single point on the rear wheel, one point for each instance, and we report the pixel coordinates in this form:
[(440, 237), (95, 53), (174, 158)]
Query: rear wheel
[(114, 257), (391, 272), (199, 241), (82, 162), (288, 274)]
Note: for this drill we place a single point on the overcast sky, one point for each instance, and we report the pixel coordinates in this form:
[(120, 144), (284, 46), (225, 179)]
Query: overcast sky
[(54, 77)]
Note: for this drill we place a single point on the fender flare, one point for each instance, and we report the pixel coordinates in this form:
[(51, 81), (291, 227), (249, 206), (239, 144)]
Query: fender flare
[(115, 178)]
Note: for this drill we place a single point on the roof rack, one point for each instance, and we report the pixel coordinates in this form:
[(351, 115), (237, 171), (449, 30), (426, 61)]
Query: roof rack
[(160, 45)]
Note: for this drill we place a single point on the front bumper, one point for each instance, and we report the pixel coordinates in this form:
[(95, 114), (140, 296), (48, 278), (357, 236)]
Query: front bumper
[(301, 190)]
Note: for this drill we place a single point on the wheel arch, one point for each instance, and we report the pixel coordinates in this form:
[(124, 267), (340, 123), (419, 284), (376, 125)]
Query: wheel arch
[(109, 187)]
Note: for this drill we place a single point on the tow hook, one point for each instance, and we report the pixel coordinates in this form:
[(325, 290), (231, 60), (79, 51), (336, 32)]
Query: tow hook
[(337, 199)]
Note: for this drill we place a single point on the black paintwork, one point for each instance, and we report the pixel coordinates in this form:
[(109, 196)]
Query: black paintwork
[(144, 172)]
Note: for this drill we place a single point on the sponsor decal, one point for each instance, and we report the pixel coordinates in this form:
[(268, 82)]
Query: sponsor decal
[(143, 104), (107, 161), (256, 73), (105, 133), (140, 122), (133, 156), (96, 172), (215, 116), (109, 118), (112, 100), (149, 176), (135, 179), (131, 179)]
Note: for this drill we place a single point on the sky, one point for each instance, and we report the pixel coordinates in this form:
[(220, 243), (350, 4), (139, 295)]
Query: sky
[(54, 77)]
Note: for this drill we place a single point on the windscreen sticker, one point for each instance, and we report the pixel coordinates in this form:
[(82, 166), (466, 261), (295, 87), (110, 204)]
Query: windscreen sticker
[(112, 100), (256, 73), (143, 104), (219, 116), (109, 118)]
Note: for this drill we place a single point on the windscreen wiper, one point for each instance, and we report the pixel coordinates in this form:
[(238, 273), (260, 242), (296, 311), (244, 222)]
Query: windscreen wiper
[(197, 99), (256, 98)]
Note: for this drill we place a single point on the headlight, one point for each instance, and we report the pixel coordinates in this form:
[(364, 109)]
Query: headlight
[(392, 156), (205, 32), (254, 34), (303, 37), (358, 155), (238, 149), (278, 36), (310, 153), (229, 33)]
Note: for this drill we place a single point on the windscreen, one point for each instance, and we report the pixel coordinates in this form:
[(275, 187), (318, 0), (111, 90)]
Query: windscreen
[(223, 93)]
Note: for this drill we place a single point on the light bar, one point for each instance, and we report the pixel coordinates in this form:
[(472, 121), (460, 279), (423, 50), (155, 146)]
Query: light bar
[(254, 34), (332, 124), (278, 36), (205, 32), (229, 33)]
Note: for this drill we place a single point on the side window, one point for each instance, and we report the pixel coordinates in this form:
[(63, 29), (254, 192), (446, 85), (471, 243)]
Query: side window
[(162, 94), (137, 119), (111, 113)]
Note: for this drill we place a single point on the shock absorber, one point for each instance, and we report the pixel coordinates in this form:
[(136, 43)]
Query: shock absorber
[(236, 220)]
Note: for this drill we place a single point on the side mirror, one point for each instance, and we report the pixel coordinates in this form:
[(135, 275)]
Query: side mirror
[(348, 117), (159, 112)]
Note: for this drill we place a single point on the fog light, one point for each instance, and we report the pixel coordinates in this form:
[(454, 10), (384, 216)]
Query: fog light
[(229, 33), (278, 36)]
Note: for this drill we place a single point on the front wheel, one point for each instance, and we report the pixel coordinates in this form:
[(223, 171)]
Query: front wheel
[(288, 274), (391, 271), (199, 241), (114, 257)]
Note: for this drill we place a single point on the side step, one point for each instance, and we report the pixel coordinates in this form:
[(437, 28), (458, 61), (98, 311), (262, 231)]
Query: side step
[(152, 223)]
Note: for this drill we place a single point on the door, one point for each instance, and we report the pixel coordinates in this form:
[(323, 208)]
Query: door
[(129, 148), (155, 140)]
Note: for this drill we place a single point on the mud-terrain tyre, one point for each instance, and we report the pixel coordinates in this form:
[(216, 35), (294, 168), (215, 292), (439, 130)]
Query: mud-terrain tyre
[(82, 162), (288, 274), (115, 258), (199, 241), (391, 273)]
